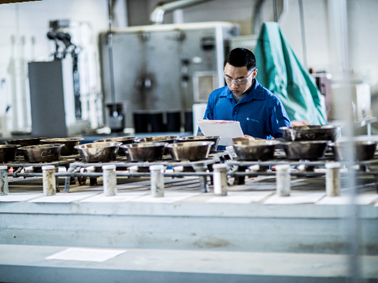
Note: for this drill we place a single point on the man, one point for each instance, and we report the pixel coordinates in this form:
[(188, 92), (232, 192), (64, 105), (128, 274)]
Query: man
[(259, 111)]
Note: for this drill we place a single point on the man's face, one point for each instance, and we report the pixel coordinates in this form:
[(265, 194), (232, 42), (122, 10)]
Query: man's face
[(238, 79)]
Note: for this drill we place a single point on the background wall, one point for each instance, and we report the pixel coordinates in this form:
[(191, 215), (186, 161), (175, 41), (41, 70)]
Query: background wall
[(24, 26)]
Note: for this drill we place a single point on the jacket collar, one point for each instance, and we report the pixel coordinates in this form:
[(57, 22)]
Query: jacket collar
[(254, 93)]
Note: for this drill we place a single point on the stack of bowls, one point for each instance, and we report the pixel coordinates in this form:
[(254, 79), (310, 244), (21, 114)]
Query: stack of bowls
[(214, 139), (24, 142), (166, 139), (41, 152), (144, 151), (99, 151), (8, 152), (69, 144), (123, 140), (251, 150), (361, 150), (190, 150), (308, 142)]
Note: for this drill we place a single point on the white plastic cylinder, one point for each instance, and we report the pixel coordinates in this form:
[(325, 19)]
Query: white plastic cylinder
[(220, 179), (283, 179), (157, 180), (133, 169), (109, 180), (333, 183), (49, 181), (254, 168), (4, 188)]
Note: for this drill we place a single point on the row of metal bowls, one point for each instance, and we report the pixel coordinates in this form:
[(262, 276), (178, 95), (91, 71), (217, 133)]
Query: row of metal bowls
[(302, 142), (38, 149), (47, 150), (166, 139), (144, 151), (149, 148), (306, 143), (306, 150)]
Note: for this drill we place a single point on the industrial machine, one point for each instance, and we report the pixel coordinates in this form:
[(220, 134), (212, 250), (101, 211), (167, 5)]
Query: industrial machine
[(63, 91), (164, 68)]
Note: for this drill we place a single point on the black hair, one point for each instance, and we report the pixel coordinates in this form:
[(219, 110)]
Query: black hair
[(240, 57)]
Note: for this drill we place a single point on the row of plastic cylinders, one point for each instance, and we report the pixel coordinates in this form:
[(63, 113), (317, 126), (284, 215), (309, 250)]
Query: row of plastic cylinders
[(333, 183)]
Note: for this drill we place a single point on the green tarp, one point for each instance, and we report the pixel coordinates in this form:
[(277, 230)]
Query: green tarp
[(280, 71)]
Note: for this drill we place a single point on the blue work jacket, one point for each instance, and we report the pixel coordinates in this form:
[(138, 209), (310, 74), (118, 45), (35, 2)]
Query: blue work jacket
[(260, 112)]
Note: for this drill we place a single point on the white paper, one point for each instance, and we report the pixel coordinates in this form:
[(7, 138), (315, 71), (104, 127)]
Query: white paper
[(119, 197), (63, 197), (83, 254), (295, 198), (240, 197), (169, 197), (13, 197), (345, 200), (227, 130)]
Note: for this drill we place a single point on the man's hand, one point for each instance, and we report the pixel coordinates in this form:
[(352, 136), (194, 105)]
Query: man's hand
[(299, 123), (245, 138)]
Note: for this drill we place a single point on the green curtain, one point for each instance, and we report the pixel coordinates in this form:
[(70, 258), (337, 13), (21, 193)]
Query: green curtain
[(280, 71)]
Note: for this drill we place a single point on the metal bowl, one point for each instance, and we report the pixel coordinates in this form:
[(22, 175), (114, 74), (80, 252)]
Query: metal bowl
[(41, 152), (69, 144), (311, 133), (190, 150), (167, 139), (145, 151), (99, 151), (255, 149), (8, 152), (214, 139), (309, 150), (123, 140), (362, 150), (25, 142)]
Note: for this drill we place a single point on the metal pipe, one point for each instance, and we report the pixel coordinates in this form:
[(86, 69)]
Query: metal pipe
[(202, 168), (157, 15), (275, 14), (111, 65), (303, 33), (198, 174)]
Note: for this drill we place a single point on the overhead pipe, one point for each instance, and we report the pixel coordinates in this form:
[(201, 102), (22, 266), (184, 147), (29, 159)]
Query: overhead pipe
[(301, 14), (157, 15), (256, 20)]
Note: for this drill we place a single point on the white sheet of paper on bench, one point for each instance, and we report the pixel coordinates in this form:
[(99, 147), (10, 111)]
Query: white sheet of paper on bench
[(86, 254), (227, 130)]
